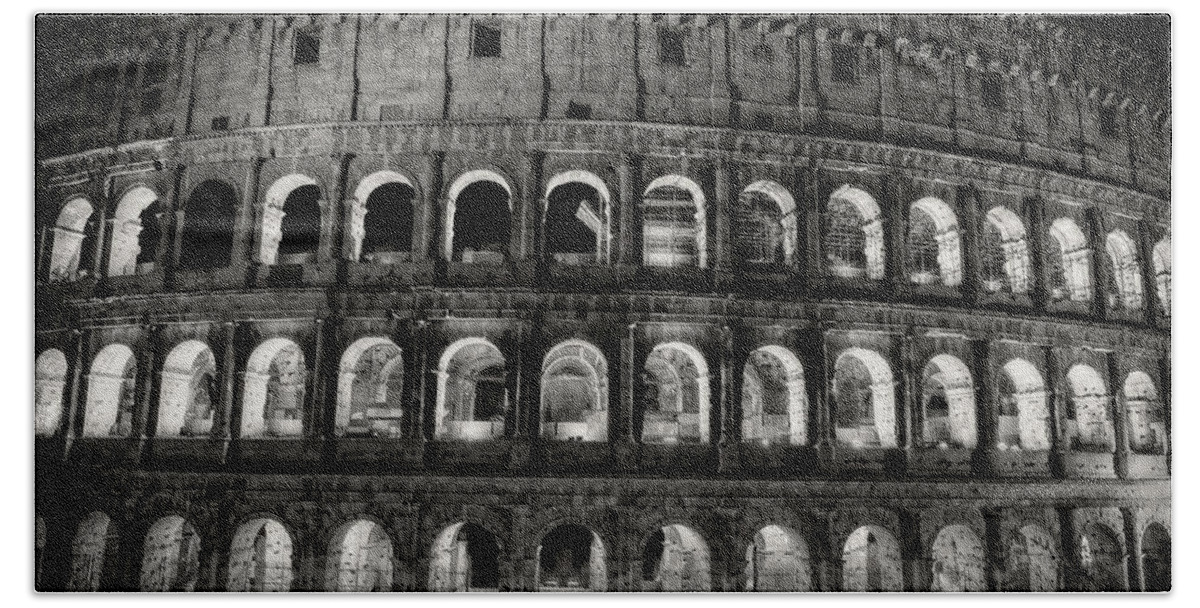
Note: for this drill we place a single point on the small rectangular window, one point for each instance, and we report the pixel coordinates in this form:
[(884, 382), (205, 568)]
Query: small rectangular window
[(845, 64), (579, 111), (220, 123), (993, 90), (762, 122), (1108, 122), (485, 40), (670, 47), (308, 48), (151, 101)]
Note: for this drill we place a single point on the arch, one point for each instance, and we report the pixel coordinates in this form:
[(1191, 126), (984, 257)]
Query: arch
[(50, 379), (370, 394), (577, 229), (1071, 269), (109, 410), (135, 232), (765, 231), (674, 225), (676, 558), (88, 552), (1161, 256), (68, 239), (260, 557), (1024, 418), (1126, 271), (1005, 252), (676, 395), (474, 232), (778, 560), (1101, 559), (189, 391), (871, 561), (865, 400), (478, 175), (380, 223), (1146, 419), (958, 560), (472, 395), (209, 217), (948, 403), (934, 246), (571, 557), (1088, 425), (574, 392), (368, 184), (1032, 563), (360, 558), (274, 387), (170, 556), (276, 209), (853, 238), (1156, 557), (774, 403), (464, 557)]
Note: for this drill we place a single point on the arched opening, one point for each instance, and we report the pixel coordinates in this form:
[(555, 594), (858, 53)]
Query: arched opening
[(1088, 425), (465, 557), (1126, 271), (1156, 558), (260, 558), (50, 378), (88, 551), (778, 560), (273, 402), (577, 217), (478, 218), (853, 235), (170, 556), (1147, 422), (574, 400), (864, 400), (189, 391), (291, 223), (109, 411), (871, 561), (764, 225), (1101, 560), (1024, 416), (1004, 253), (360, 558), (948, 404), (774, 406), (68, 240), (675, 395), (1032, 563), (674, 229), (208, 220), (934, 248), (571, 558), (370, 390), (1162, 274), (381, 222), (675, 558), (136, 231), (473, 398), (958, 560), (1071, 269)]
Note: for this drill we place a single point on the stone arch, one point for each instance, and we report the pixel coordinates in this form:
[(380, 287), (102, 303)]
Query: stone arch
[(578, 218), (934, 245), (170, 556), (865, 399), (1005, 252), (89, 550), (774, 403), (69, 234), (1156, 557), (1089, 427), (571, 557), (285, 196), (777, 559), (109, 410), (260, 557), (948, 403), (274, 387), (136, 231), (958, 560), (1147, 421), (676, 395), (465, 557), (360, 558), (370, 393), (478, 232), (209, 217), (1161, 256), (676, 558), (472, 395), (1101, 559), (50, 380), (871, 561), (189, 391), (1024, 420), (674, 228), (1032, 561), (380, 218), (765, 229), (853, 238), (1126, 271), (574, 392), (1071, 268)]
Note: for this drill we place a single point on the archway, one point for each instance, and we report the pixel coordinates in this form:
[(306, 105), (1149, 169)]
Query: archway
[(1089, 426), (170, 556), (291, 221), (764, 225), (1032, 563), (774, 407), (1101, 559), (381, 225), (675, 395), (864, 400), (208, 226), (465, 557), (273, 402), (260, 558), (1071, 268), (871, 561), (1024, 416), (69, 235), (136, 231), (778, 560), (675, 558), (189, 391), (478, 218), (958, 560), (50, 378), (370, 393), (1004, 252), (1161, 256), (674, 229), (109, 411), (1126, 271), (853, 237), (571, 558), (574, 387), (934, 248), (577, 218), (360, 558), (1147, 422), (88, 551), (1156, 558), (473, 398), (948, 404)]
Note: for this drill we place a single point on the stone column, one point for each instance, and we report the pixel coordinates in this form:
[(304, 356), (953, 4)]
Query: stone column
[(730, 397), (1057, 399), (827, 567), (418, 403), (1118, 413), (808, 208), (1068, 550), (993, 549), (986, 405), (1133, 548), (624, 428), (971, 227), (74, 391), (1145, 247), (909, 403), (895, 228), (146, 389), (1100, 264), (821, 393), (102, 222), (918, 566), (1039, 241), (723, 199), (314, 397), (629, 240)]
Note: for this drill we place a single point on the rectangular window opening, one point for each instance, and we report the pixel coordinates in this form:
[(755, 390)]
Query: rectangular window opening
[(485, 40), (579, 111), (220, 123), (845, 63), (670, 47), (993, 90), (308, 48)]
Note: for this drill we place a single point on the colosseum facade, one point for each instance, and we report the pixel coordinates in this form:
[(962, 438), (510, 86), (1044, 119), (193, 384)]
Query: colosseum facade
[(602, 302)]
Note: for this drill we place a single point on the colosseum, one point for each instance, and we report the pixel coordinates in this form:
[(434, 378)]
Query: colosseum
[(603, 303)]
